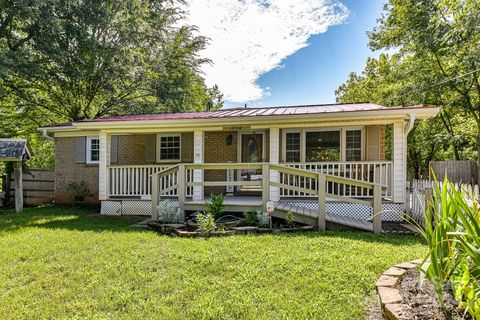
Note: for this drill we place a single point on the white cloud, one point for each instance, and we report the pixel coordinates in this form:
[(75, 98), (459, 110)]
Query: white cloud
[(251, 37)]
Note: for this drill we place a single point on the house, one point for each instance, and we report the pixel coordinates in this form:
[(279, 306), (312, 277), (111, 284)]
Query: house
[(253, 155)]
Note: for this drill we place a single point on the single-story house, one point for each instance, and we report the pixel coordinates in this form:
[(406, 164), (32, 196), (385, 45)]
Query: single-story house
[(190, 155)]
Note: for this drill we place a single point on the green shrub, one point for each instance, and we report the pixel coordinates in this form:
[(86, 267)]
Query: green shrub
[(289, 219), (216, 206), (452, 232), (250, 217), (78, 191), (168, 211), (206, 222)]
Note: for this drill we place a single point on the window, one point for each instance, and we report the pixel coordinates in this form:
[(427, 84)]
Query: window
[(292, 147), (169, 147), (322, 146), (93, 149), (353, 145)]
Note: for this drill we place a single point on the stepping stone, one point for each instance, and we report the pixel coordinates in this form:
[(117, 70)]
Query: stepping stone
[(388, 295), (397, 311), (386, 281), (406, 265), (418, 261), (394, 271)]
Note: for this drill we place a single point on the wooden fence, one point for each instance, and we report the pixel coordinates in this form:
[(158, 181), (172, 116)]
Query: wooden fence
[(38, 187), (458, 171), (418, 191)]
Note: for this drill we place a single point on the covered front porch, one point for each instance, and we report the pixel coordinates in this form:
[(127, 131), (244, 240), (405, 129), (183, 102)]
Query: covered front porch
[(128, 161)]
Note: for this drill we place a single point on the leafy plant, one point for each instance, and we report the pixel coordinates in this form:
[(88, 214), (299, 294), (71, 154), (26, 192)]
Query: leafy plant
[(289, 219), (206, 222), (251, 218), (168, 211), (216, 205), (78, 190), (263, 219), (452, 232)]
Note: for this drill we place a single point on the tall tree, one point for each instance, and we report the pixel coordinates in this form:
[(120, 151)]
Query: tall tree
[(88, 59), (67, 60), (393, 81), (442, 38)]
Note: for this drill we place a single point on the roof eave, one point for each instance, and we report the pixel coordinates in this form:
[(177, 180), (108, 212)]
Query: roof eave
[(400, 113)]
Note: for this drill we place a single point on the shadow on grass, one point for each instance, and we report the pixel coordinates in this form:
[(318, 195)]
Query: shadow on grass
[(88, 219), (70, 218), (394, 239)]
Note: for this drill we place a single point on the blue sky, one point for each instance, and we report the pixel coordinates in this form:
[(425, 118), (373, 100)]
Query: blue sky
[(284, 52)]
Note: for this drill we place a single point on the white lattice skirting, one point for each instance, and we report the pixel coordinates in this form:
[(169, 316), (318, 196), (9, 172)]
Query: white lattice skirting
[(390, 211), (126, 207)]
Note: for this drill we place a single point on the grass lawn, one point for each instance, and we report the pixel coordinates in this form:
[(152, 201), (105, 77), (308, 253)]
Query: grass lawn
[(66, 263)]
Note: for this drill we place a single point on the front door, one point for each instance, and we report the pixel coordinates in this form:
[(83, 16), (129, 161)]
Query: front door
[(251, 151)]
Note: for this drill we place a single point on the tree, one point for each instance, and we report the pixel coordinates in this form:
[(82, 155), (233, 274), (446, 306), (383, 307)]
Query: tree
[(67, 60), (393, 81), (440, 37)]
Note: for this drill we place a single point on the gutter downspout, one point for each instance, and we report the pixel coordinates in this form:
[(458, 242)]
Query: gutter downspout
[(45, 134), (410, 123)]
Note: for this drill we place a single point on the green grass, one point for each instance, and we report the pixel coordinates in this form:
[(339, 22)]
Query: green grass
[(66, 263)]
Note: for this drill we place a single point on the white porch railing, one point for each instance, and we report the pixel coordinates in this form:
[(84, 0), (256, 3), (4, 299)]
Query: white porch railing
[(379, 172), (135, 180)]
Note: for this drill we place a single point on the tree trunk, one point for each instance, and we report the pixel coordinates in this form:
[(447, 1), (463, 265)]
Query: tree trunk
[(478, 156)]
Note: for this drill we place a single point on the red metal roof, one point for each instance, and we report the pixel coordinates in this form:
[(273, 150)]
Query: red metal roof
[(254, 112)]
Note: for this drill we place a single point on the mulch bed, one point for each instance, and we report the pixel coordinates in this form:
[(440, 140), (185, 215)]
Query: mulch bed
[(421, 301)]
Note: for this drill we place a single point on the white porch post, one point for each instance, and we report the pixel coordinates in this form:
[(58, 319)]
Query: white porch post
[(198, 158), (274, 159), (399, 157), (103, 163), (18, 176)]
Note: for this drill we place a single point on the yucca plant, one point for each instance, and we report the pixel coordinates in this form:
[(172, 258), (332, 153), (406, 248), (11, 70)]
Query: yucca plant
[(452, 229)]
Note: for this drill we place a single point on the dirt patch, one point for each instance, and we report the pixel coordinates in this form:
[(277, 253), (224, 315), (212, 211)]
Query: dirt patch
[(422, 301)]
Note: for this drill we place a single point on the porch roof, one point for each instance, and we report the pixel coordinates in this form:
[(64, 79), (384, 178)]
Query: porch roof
[(280, 112)]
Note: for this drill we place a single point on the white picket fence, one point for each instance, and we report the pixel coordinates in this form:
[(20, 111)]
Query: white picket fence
[(418, 191)]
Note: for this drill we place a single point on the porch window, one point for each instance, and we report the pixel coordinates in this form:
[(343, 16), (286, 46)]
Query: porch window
[(353, 145), (93, 150), (322, 146), (292, 146), (169, 147)]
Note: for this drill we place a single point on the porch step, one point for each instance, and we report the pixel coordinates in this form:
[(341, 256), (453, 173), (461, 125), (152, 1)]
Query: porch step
[(303, 215)]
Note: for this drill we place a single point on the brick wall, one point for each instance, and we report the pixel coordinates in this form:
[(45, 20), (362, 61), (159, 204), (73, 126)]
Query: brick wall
[(217, 151), (131, 149), (67, 170)]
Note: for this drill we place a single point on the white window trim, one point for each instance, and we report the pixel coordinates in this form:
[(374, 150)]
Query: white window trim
[(88, 154), (303, 140), (158, 151), (344, 143)]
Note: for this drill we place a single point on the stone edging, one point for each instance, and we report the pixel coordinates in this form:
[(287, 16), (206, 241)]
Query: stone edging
[(390, 299)]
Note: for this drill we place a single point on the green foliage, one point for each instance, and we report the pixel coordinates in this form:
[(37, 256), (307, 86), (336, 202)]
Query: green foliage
[(435, 63), (77, 189), (216, 206), (70, 60), (289, 219), (137, 274), (251, 218), (168, 211), (206, 222), (452, 232)]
